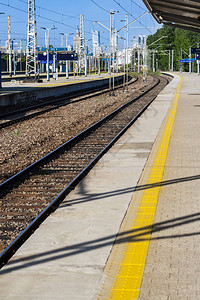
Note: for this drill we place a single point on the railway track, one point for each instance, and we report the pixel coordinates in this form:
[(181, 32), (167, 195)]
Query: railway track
[(16, 116), (30, 196)]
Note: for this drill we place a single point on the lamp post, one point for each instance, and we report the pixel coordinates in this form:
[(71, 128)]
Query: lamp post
[(1, 13), (198, 61), (125, 81), (190, 63), (47, 30), (62, 45), (145, 60), (62, 42), (14, 61), (113, 33), (111, 50), (67, 34)]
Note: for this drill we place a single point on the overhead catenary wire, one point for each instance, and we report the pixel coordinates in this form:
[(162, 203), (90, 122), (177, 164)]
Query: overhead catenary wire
[(25, 11), (145, 11), (100, 6), (132, 15), (45, 18), (138, 5)]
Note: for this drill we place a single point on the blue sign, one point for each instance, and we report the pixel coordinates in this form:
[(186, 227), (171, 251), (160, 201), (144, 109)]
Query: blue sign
[(186, 60), (58, 49), (108, 59), (45, 62), (67, 56), (52, 49)]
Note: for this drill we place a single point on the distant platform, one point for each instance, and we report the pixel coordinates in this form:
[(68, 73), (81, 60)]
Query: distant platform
[(15, 92)]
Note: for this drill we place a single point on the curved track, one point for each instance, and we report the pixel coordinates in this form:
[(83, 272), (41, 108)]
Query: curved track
[(30, 196)]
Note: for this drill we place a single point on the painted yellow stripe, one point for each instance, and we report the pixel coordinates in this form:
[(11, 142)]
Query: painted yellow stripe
[(129, 276)]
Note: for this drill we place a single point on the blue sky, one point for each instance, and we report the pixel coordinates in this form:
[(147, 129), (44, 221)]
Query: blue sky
[(64, 14)]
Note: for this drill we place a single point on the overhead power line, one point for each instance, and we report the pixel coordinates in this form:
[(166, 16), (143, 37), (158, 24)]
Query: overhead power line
[(100, 6), (45, 18), (48, 19), (132, 15), (55, 12), (138, 5), (25, 11)]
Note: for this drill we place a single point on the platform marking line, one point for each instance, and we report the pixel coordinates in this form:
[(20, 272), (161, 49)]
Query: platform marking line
[(127, 282), (76, 81)]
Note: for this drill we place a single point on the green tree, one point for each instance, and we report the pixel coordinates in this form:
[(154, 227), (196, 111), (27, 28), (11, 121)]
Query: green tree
[(176, 39)]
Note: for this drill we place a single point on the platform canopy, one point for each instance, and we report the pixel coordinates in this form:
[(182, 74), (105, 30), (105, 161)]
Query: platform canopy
[(184, 14)]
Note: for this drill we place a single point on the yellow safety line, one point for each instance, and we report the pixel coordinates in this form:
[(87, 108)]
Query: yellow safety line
[(76, 81), (127, 283)]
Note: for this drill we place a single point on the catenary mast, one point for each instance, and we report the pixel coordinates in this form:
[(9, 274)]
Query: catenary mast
[(31, 53)]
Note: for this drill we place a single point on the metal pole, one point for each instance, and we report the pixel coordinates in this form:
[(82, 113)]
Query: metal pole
[(113, 65), (172, 60), (67, 70), (198, 61), (111, 12), (190, 63), (145, 61), (126, 40), (14, 63), (154, 60), (0, 70), (20, 61), (99, 72), (138, 60), (66, 40), (181, 58), (169, 59), (124, 78), (7, 61), (48, 54), (85, 65), (31, 47), (48, 64), (54, 63), (95, 62), (9, 48)]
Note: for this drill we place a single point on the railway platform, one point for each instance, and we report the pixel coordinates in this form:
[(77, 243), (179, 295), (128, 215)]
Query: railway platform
[(17, 92), (130, 229)]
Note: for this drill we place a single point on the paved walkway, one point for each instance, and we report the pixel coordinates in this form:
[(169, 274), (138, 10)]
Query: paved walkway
[(172, 270), (161, 256)]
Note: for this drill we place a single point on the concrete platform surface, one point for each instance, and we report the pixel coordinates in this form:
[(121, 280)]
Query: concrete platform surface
[(19, 86), (66, 257), (172, 269)]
